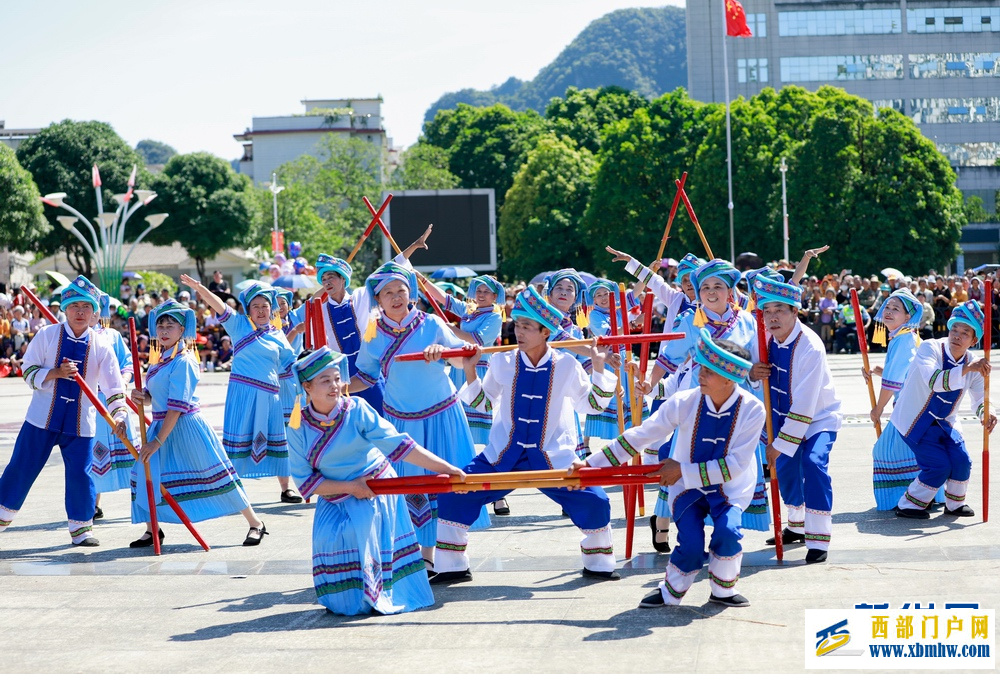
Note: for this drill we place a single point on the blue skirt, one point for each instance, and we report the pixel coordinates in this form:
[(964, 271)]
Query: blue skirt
[(253, 432), (111, 463), (193, 467), (894, 467), (366, 557), (480, 423), (446, 434)]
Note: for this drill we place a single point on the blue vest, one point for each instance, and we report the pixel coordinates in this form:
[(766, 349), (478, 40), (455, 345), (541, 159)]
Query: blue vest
[(64, 414), (713, 432), (345, 325), (780, 380), (939, 407), (529, 412)]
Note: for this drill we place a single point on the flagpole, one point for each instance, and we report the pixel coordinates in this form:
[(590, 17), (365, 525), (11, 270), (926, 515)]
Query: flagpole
[(729, 138)]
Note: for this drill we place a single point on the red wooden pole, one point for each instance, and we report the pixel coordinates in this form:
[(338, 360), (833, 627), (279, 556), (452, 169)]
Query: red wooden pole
[(101, 410), (308, 320), (137, 382), (370, 227), (987, 345), (673, 212), (779, 545), (630, 492), (647, 325)]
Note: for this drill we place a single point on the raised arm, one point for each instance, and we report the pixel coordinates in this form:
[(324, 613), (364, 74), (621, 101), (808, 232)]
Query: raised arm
[(800, 268), (210, 298)]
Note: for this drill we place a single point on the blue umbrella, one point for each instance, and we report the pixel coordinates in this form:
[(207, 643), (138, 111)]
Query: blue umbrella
[(453, 272), (295, 281)]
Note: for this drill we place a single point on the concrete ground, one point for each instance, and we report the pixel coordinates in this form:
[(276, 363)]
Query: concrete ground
[(528, 608)]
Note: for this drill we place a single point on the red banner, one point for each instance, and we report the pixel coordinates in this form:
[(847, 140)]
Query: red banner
[(736, 20)]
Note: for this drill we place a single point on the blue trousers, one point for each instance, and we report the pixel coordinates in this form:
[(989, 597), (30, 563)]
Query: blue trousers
[(588, 508), (690, 554), (941, 456), (804, 477), (31, 450)]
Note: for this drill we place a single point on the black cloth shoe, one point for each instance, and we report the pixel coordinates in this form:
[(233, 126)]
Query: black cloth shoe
[(912, 513), (601, 575), (89, 543), (961, 511), (251, 539), (788, 537), (653, 600), (289, 496), (815, 556), (98, 513), (429, 568), (665, 545), (501, 507), (145, 540), (736, 601), (448, 577)]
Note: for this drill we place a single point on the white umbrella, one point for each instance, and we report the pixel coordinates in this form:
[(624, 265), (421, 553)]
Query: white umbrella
[(890, 272)]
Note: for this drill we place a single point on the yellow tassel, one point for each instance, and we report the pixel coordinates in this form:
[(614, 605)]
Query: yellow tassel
[(295, 419), (370, 330), (751, 305), (470, 306), (497, 309), (154, 352), (700, 319), (582, 320), (276, 321), (878, 337)]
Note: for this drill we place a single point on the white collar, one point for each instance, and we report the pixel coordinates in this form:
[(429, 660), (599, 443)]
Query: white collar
[(541, 361), (69, 331), (730, 401), (791, 335), (407, 319)]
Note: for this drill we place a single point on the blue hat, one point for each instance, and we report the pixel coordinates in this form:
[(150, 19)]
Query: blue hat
[(81, 290), (573, 275), (767, 290), (597, 285), (765, 272), (531, 305), (970, 313), (284, 293), (708, 354), (492, 284), (257, 289), (388, 272), (181, 313), (716, 268), (688, 264), (320, 360), (325, 263), (910, 303)]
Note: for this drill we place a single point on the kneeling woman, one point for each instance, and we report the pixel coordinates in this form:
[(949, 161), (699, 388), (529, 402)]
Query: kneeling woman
[(365, 553), (182, 450)]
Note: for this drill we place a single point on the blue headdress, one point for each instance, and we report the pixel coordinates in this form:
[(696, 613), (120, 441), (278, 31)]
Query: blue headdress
[(257, 289), (581, 289), (912, 306), (970, 313), (716, 269), (708, 354), (81, 290), (597, 285), (688, 264), (531, 305), (767, 290), (320, 360)]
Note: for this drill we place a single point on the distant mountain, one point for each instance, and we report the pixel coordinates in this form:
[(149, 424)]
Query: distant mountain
[(643, 49)]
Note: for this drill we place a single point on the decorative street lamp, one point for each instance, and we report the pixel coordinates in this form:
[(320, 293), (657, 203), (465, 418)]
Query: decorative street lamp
[(784, 206), (107, 239), (277, 237)]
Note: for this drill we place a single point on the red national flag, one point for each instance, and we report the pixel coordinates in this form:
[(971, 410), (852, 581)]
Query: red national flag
[(736, 20)]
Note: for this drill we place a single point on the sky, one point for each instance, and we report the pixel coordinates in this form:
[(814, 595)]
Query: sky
[(191, 73)]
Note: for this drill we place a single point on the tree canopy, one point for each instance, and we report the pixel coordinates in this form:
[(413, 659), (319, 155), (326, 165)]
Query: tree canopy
[(155, 152), (22, 222), (210, 206), (60, 159)]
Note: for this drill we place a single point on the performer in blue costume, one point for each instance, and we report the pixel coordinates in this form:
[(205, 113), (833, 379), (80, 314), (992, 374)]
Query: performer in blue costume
[(182, 450), (806, 416), (712, 472), (927, 414), (111, 462), (60, 414), (365, 553), (420, 399), (292, 326), (717, 312), (346, 313), (253, 431), (893, 465), (536, 389)]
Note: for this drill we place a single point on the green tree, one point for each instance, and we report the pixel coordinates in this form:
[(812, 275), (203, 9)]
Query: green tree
[(584, 114), (975, 210), (322, 205), (59, 159), (540, 220), (155, 152), (22, 223), (211, 206), (423, 167)]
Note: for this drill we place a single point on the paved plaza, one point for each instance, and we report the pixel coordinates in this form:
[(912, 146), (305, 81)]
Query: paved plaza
[(528, 608)]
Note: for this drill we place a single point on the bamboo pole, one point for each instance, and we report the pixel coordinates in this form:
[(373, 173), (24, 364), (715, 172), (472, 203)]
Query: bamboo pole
[(694, 219), (673, 212)]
